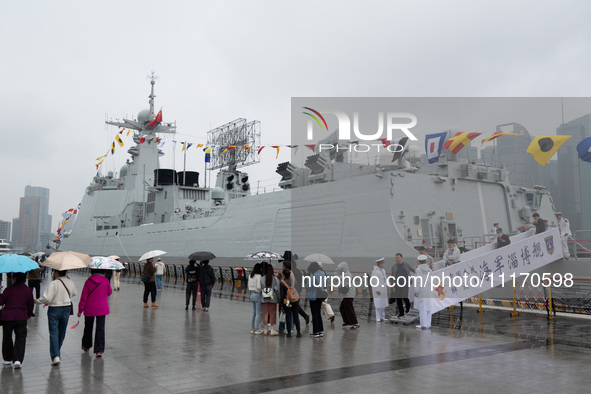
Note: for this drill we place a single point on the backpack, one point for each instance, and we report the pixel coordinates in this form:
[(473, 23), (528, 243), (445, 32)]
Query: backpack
[(267, 293), (292, 293)]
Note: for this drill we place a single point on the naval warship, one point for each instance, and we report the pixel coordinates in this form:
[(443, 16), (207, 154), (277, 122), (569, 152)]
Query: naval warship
[(332, 205)]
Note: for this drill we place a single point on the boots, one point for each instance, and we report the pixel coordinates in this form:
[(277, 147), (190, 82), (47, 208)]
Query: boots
[(155, 305), (145, 304)]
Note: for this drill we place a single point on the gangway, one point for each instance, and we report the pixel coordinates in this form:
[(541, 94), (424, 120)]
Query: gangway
[(487, 267)]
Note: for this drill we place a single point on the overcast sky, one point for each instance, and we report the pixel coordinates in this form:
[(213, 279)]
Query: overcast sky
[(67, 65)]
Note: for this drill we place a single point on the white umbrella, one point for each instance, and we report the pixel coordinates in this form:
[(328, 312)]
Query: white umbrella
[(319, 258), (105, 263), (151, 254), (263, 255), (67, 260)]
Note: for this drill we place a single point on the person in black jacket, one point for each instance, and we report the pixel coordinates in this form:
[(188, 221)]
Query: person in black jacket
[(502, 239), (539, 223), (192, 272), (206, 281)]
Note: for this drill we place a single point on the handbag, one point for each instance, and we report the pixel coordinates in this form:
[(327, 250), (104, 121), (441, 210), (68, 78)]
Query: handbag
[(145, 278), (292, 293), (281, 317), (71, 305)]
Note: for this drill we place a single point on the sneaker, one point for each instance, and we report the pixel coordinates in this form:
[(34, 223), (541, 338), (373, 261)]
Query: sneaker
[(186, 307), (258, 332), (378, 320), (85, 350), (316, 335), (354, 326), (17, 365), (56, 360), (299, 335), (7, 362), (99, 355), (145, 304)]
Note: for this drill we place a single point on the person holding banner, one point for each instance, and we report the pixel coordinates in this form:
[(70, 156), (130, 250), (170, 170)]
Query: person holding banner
[(423, 295)]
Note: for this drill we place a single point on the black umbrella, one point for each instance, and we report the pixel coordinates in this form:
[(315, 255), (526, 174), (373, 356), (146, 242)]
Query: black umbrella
[(202, 256)]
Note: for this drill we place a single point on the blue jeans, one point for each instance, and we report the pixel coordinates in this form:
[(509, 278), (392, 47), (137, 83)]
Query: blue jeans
[(257, 306), (57, 317), (159, 281)]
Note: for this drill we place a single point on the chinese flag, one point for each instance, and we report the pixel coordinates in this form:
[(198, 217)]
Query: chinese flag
[(157, 120)]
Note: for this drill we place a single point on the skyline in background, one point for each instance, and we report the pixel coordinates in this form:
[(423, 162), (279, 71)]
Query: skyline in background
[(68, 68)]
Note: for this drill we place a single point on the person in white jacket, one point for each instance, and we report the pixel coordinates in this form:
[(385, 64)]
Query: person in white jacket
[(423, 293), (59, 298), (379, 289), (564, 227)]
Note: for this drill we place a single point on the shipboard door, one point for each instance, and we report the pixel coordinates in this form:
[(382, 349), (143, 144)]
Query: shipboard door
[(448, 231)]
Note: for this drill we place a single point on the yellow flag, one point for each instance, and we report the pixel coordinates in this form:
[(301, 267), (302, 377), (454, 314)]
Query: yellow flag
[(543, 147), (119, 140)]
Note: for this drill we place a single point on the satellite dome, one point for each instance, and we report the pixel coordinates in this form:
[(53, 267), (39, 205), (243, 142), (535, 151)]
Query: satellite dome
[(123, 171), (218, 194), (143, 116)]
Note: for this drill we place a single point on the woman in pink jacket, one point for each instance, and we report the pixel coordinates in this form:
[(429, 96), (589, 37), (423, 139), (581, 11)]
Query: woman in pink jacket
[(94, 303)]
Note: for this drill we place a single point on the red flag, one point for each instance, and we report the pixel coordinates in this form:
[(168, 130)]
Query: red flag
[(312, 147), (260, 149), (385, 142), (157, 120), (142, 140)]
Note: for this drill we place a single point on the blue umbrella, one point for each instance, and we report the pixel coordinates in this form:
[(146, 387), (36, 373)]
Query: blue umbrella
[(16, 263), (584, 149)]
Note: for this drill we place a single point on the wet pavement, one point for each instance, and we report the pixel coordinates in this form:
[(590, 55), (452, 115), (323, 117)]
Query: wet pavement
[(170, 350)]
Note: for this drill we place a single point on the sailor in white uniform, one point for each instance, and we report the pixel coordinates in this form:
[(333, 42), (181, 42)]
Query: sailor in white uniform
[(423, 294), (564, 227), (380, 290)]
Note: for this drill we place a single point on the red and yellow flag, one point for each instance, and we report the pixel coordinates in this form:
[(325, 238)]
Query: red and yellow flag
[(497, 135), (458, 141)]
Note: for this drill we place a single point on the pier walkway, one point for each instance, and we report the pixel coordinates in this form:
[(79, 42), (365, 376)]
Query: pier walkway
[(170, 350)]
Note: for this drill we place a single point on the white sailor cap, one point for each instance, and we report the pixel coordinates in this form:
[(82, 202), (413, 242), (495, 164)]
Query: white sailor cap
[(422, 257), (380, 260), (558, 213)]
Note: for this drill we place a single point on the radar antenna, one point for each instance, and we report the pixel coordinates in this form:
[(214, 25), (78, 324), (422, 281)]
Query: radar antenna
[(234, 144)]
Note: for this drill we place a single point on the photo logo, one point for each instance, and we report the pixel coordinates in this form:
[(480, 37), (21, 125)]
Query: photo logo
[(391, 121)]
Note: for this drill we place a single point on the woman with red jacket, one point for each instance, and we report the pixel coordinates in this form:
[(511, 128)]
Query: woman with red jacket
[(93, 304)]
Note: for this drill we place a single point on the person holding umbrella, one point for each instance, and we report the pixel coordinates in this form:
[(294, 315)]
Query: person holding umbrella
[(192, 272), (94, 304), (116, 273), (18, 308), (150, 285)]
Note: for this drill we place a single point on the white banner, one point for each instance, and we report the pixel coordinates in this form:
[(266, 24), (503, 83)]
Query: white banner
[(488, 267)]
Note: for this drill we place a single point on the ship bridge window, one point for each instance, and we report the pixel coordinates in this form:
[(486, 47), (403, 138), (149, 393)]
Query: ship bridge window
[(534, 199)]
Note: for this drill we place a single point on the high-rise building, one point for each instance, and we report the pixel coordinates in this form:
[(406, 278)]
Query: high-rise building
[(571, 194), (34, 222), (4, 230), (15, 230)]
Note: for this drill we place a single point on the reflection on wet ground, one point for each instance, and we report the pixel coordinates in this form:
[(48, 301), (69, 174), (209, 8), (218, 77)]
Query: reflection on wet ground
[(170, 350)]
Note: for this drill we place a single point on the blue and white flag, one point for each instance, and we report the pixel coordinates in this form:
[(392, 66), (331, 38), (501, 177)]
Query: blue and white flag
[(433, 145), (584, 150)]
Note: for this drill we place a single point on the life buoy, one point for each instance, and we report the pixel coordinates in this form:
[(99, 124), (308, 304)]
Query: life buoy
[(99, 186)]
